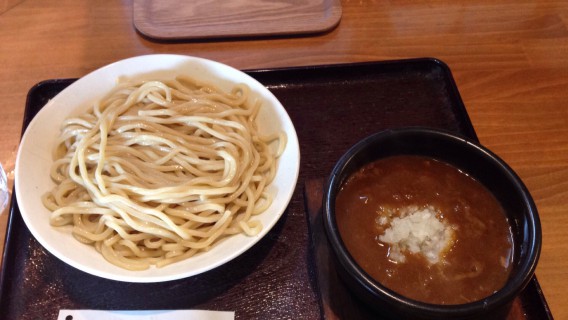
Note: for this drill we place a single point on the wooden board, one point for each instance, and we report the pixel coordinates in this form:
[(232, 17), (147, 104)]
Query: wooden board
[(6, 5), (288, 274), (190, 19)]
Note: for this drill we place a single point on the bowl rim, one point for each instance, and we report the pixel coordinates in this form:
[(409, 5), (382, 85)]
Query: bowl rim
[(501, 297)]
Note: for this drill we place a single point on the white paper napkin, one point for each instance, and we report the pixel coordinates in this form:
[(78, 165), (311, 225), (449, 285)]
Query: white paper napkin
[(145, 315)]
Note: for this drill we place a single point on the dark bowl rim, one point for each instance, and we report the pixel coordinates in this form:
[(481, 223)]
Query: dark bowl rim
[(501, 297)]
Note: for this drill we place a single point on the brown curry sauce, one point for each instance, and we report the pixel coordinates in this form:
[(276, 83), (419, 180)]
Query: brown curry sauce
[(478, 261)]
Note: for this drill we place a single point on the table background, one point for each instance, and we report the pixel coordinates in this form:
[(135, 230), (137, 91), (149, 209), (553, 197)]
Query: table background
[(509, 60)]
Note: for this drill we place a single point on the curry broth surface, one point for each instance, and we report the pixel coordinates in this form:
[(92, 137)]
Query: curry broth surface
[(477, 262)]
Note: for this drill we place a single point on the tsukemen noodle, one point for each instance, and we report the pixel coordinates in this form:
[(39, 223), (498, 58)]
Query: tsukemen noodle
[(158, 171)]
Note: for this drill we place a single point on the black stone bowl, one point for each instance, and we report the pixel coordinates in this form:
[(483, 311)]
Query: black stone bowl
[(482, 165)]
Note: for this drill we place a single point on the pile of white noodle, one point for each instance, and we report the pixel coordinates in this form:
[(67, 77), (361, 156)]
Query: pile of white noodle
[(159, 171)]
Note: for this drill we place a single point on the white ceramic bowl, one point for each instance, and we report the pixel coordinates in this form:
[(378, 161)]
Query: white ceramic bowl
[(35, 158)]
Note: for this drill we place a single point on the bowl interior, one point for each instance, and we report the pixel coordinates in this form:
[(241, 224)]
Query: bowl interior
[(467, 156)]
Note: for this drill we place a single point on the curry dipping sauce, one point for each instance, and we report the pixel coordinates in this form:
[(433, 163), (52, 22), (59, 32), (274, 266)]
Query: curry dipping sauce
[(425, 229)]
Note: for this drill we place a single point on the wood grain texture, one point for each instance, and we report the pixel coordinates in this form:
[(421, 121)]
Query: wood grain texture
[(509, 59), (174, 19), (6, 5)]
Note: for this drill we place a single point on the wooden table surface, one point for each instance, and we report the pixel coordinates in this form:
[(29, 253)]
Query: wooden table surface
[(509, 59)]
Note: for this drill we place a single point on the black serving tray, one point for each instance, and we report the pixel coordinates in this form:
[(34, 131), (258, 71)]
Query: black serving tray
[(332, 107)]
